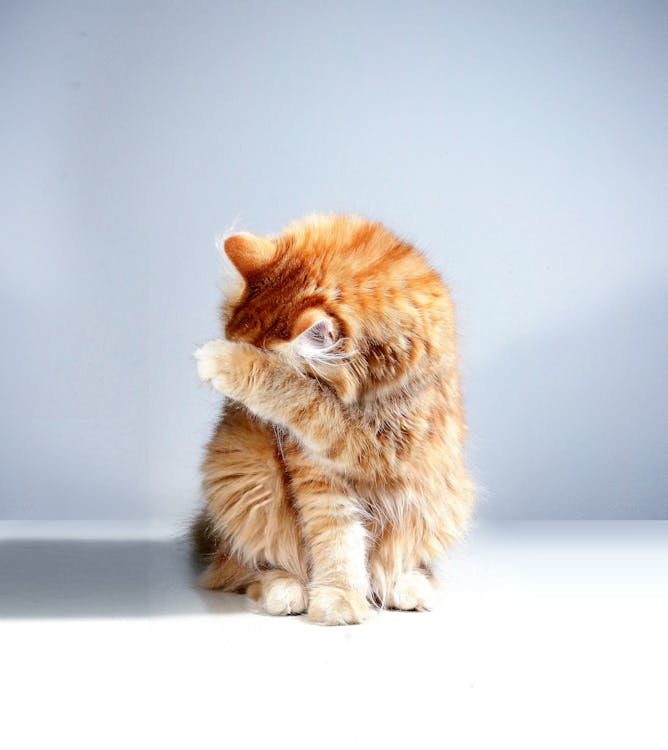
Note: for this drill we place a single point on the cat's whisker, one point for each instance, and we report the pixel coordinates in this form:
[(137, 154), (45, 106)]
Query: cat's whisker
[(330, 355)]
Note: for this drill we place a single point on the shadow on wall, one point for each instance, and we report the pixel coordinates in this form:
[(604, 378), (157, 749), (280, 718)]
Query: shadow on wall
[(574, 415), (86, 579)]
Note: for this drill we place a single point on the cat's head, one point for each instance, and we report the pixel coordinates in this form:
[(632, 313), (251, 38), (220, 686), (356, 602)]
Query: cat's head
[(342, 299)]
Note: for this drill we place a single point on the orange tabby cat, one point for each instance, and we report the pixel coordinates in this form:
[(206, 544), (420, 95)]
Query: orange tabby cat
[(335, 475)]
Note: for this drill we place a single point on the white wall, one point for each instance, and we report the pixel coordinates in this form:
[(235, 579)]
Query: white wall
[(523, 146)]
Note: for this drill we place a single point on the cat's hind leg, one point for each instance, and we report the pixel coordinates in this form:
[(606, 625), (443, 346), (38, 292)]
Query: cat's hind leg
[(249, 533), (412, 590), (276, 591), (399, 571)]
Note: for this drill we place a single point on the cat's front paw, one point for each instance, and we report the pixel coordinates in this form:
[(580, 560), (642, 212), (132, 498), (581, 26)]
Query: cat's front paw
[(329, 605), (211, 359)]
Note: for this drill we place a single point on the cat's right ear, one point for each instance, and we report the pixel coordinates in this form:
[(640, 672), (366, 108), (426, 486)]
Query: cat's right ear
[(249, 253)]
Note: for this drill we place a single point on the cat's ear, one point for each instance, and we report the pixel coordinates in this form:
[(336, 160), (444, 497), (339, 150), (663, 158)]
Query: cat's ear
[(313, 331), (249, 253), (320, 335)]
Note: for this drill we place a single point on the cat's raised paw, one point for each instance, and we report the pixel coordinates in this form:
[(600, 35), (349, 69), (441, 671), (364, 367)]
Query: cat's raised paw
[(412, 591), (329, 605), (210, 358)]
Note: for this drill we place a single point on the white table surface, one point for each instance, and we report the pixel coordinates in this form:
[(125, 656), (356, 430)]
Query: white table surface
[(546, 635)]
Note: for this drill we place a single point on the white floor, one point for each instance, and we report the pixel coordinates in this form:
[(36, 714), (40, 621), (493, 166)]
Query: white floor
[(550, 635)]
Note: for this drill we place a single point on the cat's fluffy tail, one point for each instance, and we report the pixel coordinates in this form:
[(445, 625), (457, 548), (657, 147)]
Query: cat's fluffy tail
[(203, 541), (219, 568)]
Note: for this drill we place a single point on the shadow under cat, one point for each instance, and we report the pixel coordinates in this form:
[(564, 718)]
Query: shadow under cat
[(92, 579)]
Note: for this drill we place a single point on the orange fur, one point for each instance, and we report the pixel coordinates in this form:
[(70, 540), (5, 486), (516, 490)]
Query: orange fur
[(336, 474)]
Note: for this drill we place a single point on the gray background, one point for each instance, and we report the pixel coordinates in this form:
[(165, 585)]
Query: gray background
[(524, 146)]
